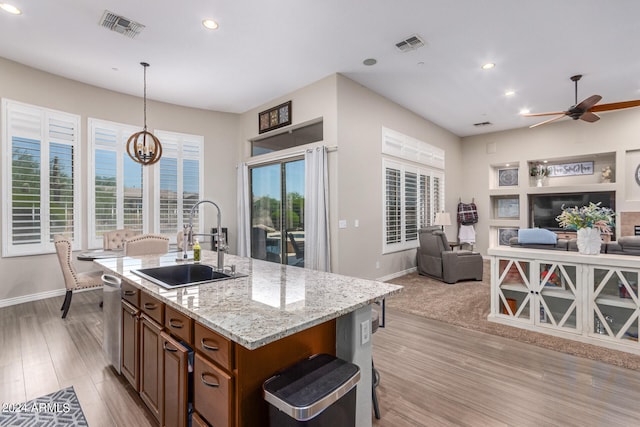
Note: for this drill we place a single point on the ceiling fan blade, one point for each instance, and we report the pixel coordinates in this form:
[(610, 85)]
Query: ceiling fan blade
[(548, 121), (543, 114), (588, 103), (616, 106), (589, 117)]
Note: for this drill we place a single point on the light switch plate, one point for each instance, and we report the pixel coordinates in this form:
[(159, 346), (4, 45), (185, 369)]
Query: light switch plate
[(365, 332), (342, 223)]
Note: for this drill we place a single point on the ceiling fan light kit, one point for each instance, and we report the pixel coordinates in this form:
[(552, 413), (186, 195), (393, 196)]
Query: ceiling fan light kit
[(584, 110)]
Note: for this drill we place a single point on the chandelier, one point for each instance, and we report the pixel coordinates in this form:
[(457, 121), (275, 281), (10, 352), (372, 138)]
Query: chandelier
[(143, 147)]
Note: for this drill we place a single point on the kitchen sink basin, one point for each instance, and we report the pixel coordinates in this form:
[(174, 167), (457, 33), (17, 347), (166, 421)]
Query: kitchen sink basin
[(175, 276)]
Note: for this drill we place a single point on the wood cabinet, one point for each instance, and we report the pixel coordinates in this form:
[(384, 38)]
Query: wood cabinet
[(178, 325), (151, 365), (130, 344), (175, 385), (212, 392)]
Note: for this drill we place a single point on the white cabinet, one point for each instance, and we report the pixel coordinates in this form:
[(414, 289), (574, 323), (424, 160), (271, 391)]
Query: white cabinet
[(588, 298), (538, 293)]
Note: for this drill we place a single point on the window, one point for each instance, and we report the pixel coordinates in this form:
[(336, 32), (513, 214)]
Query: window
[(412, 197), (294, 137), (179, 182), (40, 186), (116, 196), (413, 187)]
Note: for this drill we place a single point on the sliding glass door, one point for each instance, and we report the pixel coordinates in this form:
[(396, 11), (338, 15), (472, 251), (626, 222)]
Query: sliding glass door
[(277, 212)]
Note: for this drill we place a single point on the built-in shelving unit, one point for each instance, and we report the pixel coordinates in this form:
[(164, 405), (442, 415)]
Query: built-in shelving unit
[(511, 185)]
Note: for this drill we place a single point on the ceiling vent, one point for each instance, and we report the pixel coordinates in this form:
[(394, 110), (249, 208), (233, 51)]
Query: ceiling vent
[(120, 24), (482, 124), (410, 43)]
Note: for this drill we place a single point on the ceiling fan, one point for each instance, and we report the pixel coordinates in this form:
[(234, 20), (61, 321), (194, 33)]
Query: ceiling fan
[(584, 110)]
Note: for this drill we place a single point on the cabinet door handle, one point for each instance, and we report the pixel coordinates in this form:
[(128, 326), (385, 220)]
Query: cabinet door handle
[(129, 293), (172, 350), (150, 306), (176, 325), (208, 347), (208, 384)]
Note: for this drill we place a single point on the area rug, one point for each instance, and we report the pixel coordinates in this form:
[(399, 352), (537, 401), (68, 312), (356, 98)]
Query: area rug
[(467, 304), (58, 409)]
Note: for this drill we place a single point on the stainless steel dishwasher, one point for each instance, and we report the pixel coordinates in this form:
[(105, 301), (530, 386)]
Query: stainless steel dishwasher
[(111, 319)]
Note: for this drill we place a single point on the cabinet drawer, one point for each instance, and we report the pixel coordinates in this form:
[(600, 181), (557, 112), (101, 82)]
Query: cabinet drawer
[(152, 307), (178, 324), (212, 392), (214, 346), (130, 294)]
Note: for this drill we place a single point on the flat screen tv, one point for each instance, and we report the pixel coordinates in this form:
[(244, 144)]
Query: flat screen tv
[(544, 208)]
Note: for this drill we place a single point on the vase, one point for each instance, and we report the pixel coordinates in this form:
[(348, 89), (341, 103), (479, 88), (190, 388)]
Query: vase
[(538, 182), (589, 241)]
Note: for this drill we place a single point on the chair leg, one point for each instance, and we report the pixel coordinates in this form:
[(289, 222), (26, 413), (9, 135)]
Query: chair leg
[(66, 304), (375, 380)]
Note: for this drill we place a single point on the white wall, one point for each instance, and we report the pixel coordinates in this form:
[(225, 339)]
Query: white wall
[(220, 130), (617, 132)]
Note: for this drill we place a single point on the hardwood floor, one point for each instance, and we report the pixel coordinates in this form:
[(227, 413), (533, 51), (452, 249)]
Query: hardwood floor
[(432, 374)]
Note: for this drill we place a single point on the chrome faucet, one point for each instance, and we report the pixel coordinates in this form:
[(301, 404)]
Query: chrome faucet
[(222, 245)]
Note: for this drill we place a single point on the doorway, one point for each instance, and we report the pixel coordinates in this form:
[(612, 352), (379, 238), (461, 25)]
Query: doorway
[(277, 212)]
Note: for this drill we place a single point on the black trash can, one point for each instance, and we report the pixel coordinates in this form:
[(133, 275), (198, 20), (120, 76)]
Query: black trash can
[(318, 391)]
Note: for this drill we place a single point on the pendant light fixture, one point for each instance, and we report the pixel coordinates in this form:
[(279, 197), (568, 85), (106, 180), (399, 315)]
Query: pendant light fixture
[(143, 147)]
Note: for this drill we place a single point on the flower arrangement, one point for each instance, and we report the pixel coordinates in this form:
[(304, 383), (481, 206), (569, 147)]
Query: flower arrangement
[(592, 216), (539, 171)]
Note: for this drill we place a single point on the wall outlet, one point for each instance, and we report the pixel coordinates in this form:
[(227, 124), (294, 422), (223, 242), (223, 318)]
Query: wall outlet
[(365, 332)]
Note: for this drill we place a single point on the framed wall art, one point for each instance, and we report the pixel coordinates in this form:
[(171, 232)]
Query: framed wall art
[(508, 208), (505, 234), (274, 118), (508, 177)]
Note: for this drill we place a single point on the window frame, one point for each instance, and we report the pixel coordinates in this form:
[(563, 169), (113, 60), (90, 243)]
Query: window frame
[(181, 140), (47, 117), (123, 132)]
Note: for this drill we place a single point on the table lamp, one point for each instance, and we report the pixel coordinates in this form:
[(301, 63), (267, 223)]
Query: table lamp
[(442, 219)]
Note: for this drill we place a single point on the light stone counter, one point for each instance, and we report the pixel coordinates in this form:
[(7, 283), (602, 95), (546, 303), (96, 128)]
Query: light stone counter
[(271, 302)]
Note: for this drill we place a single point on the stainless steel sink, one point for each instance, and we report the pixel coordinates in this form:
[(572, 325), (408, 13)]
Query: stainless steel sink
[(176, 276)]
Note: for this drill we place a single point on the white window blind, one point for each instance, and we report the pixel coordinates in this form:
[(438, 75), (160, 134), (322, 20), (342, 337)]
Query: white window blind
[(116, 187), (179, 182), (413, 189), (40, 186)]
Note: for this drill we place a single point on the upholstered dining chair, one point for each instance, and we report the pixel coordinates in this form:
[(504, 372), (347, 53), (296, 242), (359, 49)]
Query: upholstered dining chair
[(72, 279), (146, 244), (115, 239)]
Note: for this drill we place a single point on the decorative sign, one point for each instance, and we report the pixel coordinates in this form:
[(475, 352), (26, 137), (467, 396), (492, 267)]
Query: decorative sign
[(569, 169), (274, 118), (507, 177)]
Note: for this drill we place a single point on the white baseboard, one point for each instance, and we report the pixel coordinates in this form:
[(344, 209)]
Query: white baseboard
[(397, 274), (33, 297)]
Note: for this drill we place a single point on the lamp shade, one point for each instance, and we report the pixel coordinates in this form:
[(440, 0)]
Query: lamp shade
[(442, 218)]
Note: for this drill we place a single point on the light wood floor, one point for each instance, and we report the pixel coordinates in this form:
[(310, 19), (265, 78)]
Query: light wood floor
[(433, 374)]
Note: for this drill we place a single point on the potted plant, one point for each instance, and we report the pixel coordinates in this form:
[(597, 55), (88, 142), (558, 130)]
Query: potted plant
[(539, 172), (589, 221)]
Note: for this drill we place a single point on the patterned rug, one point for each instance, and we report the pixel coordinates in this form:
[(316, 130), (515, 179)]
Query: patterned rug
[(59, 409)]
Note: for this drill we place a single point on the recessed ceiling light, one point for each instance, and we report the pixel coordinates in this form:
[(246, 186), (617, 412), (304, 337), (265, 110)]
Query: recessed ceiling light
[(525, 111), (507, 164), (370, 61), (10, 8), (509, 93), (210, 24), (488, 66)]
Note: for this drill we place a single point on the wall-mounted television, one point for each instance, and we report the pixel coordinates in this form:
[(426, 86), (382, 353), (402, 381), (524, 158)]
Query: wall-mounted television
[(544, 208)]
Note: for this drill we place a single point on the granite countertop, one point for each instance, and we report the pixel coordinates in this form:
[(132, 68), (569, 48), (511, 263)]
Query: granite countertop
[(271, 302)]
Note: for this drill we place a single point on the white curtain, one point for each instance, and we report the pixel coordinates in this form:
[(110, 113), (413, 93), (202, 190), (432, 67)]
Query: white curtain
[(316, 210), (244, 211)]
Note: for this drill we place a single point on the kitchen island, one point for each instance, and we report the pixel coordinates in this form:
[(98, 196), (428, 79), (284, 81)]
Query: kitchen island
[(266, 320)]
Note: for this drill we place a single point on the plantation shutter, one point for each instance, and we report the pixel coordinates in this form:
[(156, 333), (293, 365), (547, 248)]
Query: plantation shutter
[(41, 197)]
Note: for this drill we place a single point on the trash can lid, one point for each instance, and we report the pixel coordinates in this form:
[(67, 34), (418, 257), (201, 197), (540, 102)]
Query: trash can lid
[(310, 386)]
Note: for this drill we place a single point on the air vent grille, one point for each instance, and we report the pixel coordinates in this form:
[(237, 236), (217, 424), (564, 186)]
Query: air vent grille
[(410, 43), (120, 24), (482, 124)]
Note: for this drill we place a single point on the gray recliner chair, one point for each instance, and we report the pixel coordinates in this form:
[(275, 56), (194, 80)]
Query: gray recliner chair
[(436, 259)]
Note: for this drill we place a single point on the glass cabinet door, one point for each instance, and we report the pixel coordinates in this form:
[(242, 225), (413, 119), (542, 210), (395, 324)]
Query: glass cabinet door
[(557, 304), (615, 303), (514, 290)]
